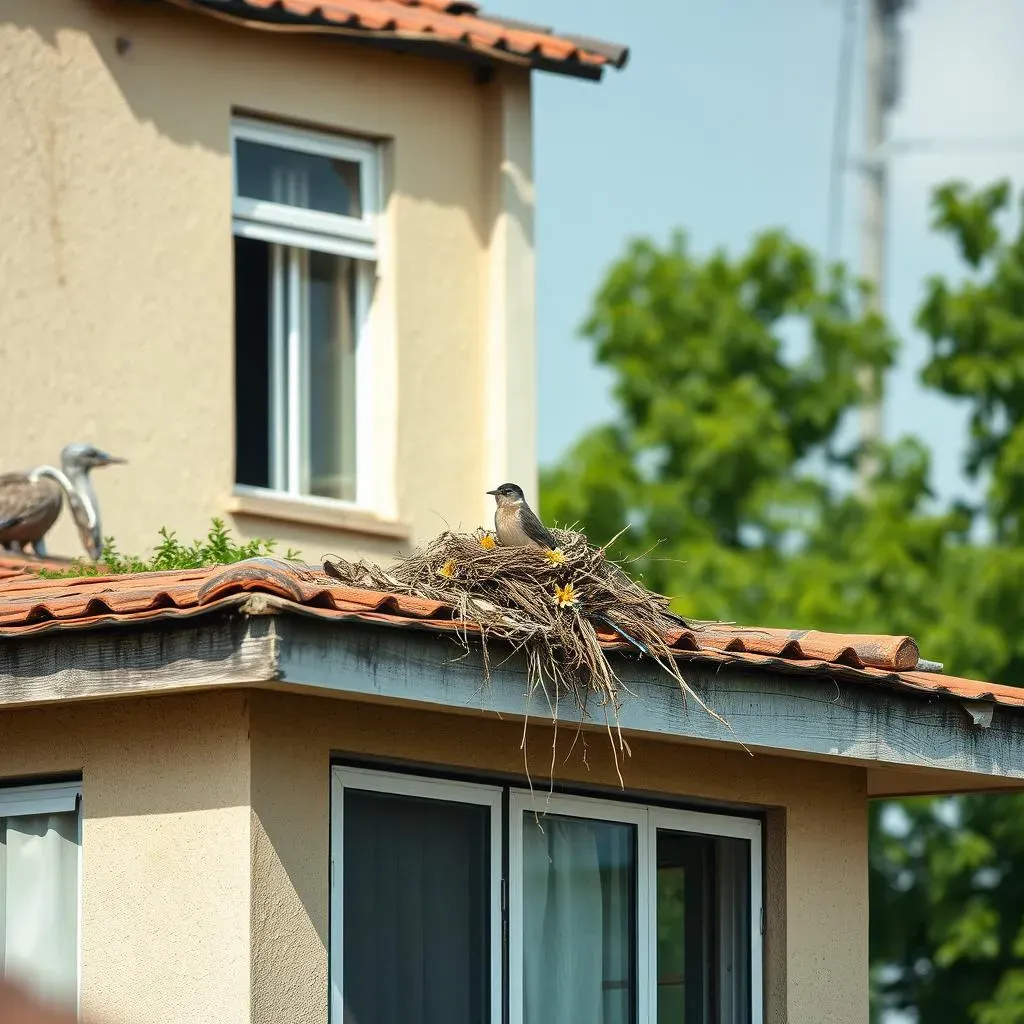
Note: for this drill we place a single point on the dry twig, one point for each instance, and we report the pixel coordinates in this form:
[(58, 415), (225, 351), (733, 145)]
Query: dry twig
[(548, 605)]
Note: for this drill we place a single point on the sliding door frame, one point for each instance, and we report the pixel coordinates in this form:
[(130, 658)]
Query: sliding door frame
[(368, 780), (647, 821)]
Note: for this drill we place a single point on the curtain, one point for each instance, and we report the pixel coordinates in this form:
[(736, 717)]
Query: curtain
[(330, 336), (39, 902), (578, 880)]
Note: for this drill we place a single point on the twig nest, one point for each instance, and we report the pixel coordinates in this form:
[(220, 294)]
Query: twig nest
[(521, 595)]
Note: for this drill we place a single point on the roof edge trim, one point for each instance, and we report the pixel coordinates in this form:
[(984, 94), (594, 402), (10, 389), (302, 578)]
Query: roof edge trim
[(830, 715), (275, 19)]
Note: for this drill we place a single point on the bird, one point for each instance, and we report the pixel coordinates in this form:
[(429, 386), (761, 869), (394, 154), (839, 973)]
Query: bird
[(30, 502), (515, 523)]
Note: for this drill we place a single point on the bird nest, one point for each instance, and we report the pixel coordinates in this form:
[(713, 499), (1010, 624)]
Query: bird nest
[(547, 604)]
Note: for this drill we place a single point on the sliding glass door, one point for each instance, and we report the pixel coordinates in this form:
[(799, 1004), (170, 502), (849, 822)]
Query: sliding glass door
[(458, 903)]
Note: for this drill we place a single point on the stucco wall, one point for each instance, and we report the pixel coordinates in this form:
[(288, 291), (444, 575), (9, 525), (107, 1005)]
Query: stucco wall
[(116, 295), (165, 850), (205, 844), (816, 849)]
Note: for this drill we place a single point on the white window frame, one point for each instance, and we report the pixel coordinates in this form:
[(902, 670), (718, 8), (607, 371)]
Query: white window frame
[(648, 820), (52, 798), (369, 780), (44, 798), (293, 225), (292, 232)]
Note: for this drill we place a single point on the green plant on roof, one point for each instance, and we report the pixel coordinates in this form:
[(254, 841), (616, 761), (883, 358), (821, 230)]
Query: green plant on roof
[(217, 548)]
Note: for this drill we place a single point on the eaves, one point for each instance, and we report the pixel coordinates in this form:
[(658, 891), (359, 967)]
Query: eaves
[(260, 642)]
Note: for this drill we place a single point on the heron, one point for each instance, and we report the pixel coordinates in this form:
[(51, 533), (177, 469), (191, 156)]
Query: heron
[(30, 502)]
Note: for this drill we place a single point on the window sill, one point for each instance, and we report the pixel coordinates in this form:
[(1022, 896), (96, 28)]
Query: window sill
[(316, 513)]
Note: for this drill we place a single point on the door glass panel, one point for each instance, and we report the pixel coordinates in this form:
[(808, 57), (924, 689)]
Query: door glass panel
[(579, 920), (416, 946), (703, 929)]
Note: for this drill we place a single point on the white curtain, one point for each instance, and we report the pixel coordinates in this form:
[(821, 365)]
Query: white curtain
[(39, 902), (576, 921)]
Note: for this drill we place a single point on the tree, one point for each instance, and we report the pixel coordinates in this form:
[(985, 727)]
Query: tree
[(733, 380), (715, 429), (950, 917), (725, 454), (947, 909)]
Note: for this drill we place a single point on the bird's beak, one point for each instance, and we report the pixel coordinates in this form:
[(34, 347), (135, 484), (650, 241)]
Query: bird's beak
[(111, 460), (492, 492)]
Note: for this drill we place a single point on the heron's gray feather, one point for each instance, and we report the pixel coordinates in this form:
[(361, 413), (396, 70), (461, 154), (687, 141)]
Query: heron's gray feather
[(27, 508)]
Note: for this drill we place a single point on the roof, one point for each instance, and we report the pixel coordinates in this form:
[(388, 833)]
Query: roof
[(31, 605), (443, 27)]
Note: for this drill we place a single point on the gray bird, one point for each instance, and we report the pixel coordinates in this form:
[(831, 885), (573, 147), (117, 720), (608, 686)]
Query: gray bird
[(515, 523), (30, 502)]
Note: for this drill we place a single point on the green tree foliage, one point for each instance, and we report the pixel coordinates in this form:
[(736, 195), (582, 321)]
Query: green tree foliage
[(734, 379)]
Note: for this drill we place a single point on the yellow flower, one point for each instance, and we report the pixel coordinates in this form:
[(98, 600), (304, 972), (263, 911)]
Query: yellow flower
[(448, 570), (565, 597), (556, 556), (487, 541)]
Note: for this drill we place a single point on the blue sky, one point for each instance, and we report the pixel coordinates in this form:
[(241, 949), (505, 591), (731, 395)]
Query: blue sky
[(721, 123)]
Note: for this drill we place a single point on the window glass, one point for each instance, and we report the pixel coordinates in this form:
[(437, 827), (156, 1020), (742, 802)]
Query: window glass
[(295, 300), (416, 892), (296, 178), (579, 919), (253, 314), (331, 298), (39, 903)]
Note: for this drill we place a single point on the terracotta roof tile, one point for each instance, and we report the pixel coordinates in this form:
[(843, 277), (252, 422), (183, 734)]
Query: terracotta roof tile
[(435, 23), (23, 566), (30, 605)]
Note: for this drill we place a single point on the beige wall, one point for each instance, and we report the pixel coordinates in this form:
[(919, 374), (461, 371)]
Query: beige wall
[(165, 850), (816, 848), (116, 268), (205, 854)]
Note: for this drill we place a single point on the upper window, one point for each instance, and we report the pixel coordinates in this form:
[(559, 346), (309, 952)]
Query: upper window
[(616, 913), (40, 841), (305, 232)]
